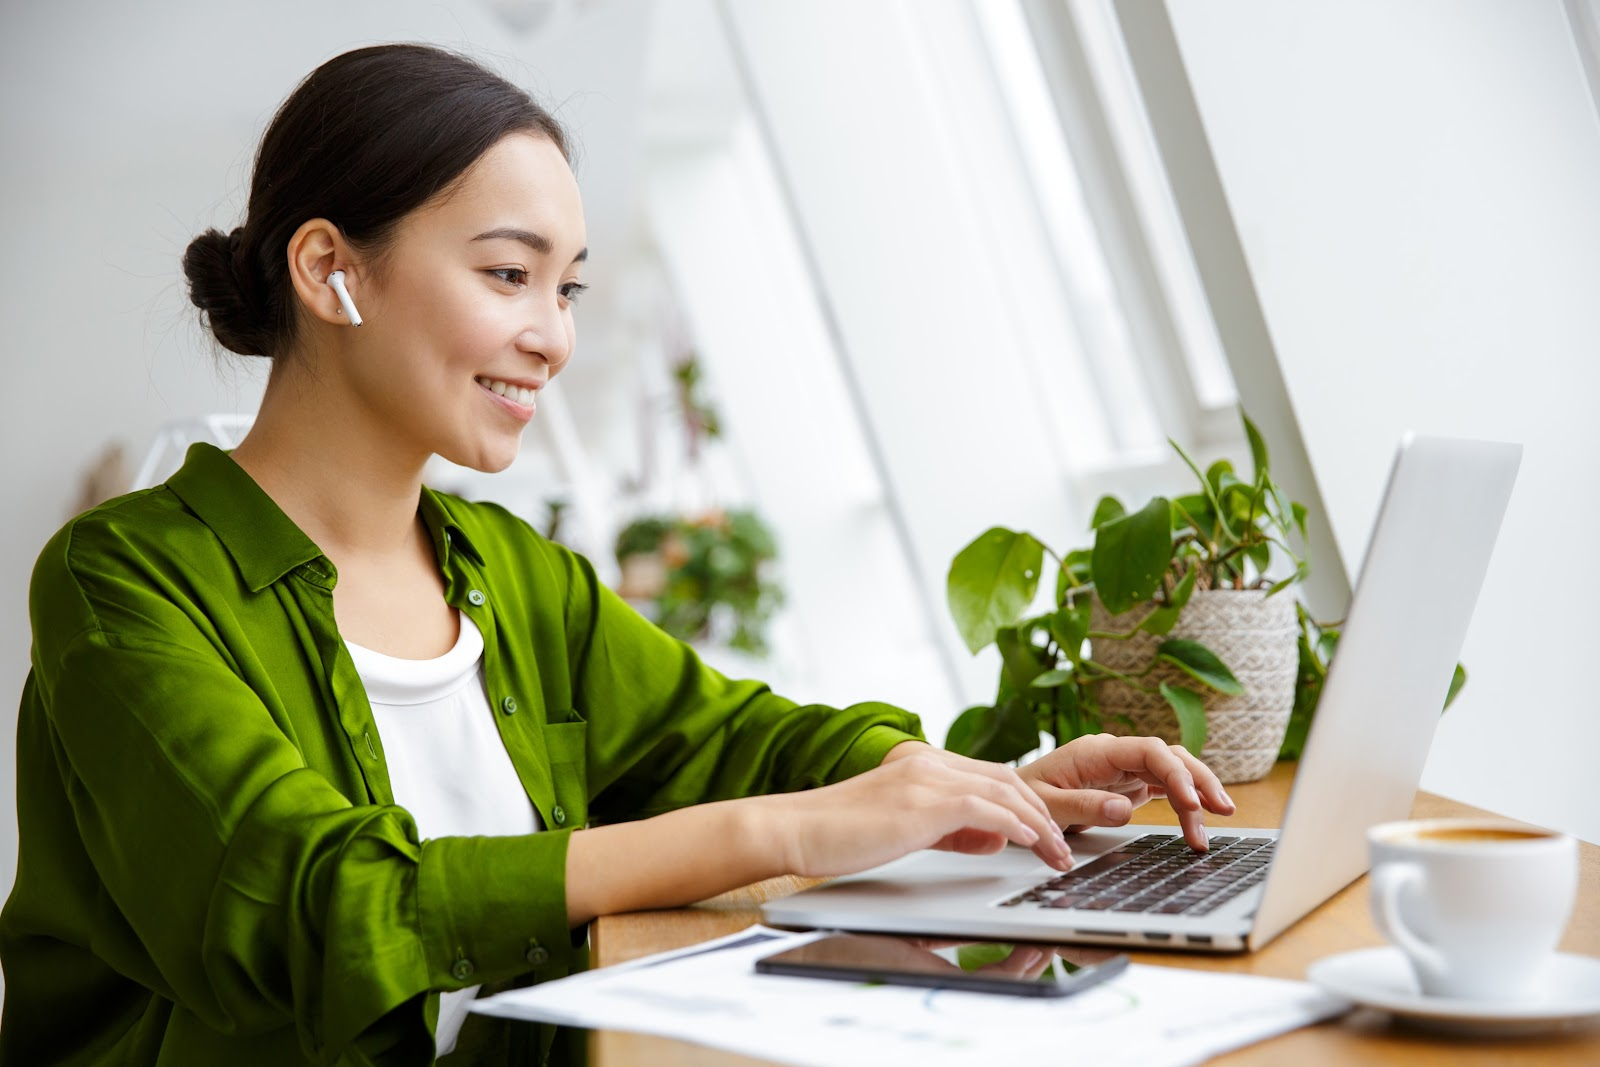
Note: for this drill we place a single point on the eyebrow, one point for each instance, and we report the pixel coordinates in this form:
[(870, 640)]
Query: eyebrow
[(536, 241)]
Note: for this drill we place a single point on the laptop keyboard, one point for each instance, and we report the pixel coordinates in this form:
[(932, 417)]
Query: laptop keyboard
[(1157, 874)]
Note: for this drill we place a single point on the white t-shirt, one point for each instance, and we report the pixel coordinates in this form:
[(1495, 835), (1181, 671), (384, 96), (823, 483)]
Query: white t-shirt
[(447, 764)]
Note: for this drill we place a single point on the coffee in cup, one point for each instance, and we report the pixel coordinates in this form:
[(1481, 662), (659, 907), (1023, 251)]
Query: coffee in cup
[(1477, 905)]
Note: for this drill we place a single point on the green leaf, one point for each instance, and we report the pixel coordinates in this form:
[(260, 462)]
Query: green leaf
[(1301, 569), (1002, 733), (1194, 510), (1258, 446), (965, 729), (1131, 554), (1051, 679), (1162, 620), (1299, 511), (1108, 510), (1070, 722), (1191, 712), (991, 582), (1185, 587), (1200, 663), (1070, 627), (1457, 680), (983, 954), (1316, 647), (1216, 472), (1239, 503), (1283, 507), (1023, 661)]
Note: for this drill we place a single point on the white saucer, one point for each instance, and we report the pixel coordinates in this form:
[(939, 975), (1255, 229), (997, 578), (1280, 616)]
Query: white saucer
[(1382, 978)]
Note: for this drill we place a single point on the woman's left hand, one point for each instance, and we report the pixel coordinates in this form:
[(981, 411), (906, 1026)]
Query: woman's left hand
[(1099, 780)]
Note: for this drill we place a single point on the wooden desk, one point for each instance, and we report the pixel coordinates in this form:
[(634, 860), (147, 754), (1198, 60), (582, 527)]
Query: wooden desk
[(1363, 1037)]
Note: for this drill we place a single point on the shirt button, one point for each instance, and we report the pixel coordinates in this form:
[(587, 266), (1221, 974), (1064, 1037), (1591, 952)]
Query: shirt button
[(558, 815), (475, 597), (537, 954), (510, 705), (462, 970)]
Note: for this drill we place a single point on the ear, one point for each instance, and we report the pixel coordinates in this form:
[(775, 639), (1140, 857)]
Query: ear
[(316, 250)]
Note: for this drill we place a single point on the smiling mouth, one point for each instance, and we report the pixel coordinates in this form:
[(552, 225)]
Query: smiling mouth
[(514, 393)]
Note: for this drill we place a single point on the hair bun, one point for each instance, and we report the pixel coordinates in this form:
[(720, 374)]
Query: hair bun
[(221, 286)]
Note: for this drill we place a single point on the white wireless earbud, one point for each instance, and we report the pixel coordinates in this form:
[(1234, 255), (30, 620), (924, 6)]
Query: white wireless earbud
[(336, 279)]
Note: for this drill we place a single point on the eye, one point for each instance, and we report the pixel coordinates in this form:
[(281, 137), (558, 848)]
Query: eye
[(511, 275), (572, 290)]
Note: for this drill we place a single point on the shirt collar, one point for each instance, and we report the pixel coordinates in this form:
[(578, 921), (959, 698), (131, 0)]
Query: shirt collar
[(264, 542), (444, 529)]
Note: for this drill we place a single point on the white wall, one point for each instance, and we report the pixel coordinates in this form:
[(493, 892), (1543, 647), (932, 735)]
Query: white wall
[(1416, 188)]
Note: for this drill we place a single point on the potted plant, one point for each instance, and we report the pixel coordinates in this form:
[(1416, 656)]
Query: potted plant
[(1150, 627), (1153, 626)]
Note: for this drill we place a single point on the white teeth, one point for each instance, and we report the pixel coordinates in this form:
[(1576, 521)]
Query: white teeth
[(514, 393)]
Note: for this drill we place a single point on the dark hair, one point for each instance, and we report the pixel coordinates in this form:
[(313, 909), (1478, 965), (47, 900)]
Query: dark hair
[(366, 138)]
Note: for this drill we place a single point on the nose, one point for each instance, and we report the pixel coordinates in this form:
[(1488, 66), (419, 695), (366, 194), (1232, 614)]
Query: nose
[(546, 335)]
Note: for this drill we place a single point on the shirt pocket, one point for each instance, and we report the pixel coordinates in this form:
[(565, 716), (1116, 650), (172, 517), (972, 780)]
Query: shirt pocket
[(567, 745)]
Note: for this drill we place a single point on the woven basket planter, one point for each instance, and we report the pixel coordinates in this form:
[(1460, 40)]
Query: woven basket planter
[(1257, 639)]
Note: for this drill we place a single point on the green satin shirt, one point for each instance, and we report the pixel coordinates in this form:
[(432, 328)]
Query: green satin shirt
[(212, 868)]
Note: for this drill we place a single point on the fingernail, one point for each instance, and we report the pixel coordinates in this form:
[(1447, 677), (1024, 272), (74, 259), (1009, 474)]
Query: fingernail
[(1116, 810), (1228, 800), (1205, 837)]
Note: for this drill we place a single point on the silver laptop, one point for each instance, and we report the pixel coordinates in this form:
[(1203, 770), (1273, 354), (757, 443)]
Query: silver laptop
[(1141, 885)]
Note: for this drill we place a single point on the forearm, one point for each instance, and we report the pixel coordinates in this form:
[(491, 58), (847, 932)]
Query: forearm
[(674, 859)]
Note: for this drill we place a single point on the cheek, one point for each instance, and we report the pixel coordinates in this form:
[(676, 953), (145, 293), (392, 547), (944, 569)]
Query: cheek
[(461, 327), (472, 340)]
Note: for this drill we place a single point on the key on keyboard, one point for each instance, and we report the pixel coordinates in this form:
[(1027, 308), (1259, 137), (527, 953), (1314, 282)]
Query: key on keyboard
[(1157, 874)]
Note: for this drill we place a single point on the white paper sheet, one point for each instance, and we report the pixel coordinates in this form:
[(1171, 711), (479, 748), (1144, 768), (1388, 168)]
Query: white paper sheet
[(711, 994)]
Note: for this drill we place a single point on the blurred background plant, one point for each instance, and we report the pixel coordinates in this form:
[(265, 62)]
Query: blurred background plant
[(687, 568), (701, 571)]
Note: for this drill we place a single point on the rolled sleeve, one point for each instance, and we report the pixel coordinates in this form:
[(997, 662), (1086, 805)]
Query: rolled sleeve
[(493, 908)]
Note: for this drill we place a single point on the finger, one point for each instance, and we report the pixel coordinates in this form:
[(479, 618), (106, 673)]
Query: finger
[(1194, 829), (1158, 764), (1087, 807), (1171, 764), (1049, 845), (1024, 961), (1212, 795), (969, 812), (1008, 776), (972, 842)]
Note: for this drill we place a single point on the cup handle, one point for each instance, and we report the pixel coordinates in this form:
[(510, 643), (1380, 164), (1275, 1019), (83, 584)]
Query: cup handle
[(1388, 882)]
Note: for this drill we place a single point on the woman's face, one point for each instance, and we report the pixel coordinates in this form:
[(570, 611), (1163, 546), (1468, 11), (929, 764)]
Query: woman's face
[(471, 312)]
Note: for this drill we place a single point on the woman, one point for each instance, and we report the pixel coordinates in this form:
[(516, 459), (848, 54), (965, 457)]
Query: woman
[(311, 754)]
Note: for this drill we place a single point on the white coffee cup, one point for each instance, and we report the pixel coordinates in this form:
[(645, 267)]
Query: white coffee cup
[(1476, 905)]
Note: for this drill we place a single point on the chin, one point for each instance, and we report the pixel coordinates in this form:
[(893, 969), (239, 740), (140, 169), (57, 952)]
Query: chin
[(490, 460)]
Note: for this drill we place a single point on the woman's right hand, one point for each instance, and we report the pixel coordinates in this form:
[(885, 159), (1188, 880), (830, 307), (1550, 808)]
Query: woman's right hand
[(920, 801)]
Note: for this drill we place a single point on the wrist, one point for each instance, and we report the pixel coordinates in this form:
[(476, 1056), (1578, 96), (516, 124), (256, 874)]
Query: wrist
[(902, 750), (769, 828)]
